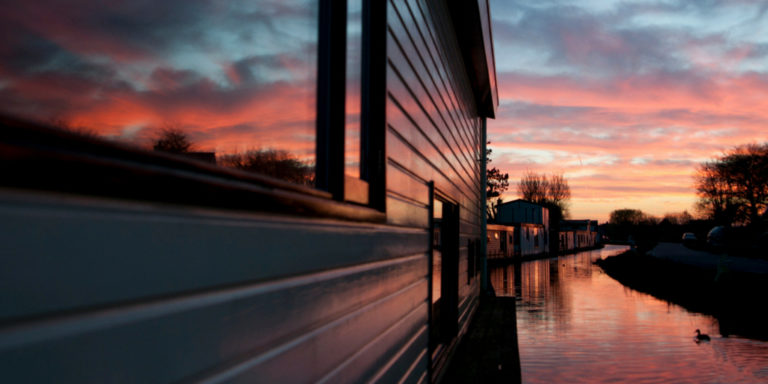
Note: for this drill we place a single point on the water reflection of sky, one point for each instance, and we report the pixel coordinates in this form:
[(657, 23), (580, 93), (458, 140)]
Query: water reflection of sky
[(235, 75), (576, 324)]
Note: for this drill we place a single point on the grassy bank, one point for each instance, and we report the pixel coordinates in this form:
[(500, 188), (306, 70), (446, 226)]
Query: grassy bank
[(737, 300)]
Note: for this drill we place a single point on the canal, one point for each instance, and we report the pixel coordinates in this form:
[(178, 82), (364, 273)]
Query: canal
[(577, 324)]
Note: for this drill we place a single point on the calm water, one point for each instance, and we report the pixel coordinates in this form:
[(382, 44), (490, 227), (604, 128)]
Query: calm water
[(576, 324)]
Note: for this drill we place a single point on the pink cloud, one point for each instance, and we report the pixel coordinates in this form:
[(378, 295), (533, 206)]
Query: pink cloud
[(637, 138)]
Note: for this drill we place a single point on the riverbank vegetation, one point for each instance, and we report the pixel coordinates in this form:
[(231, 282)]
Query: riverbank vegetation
[(733, 195), (735, 299), (645, 231)]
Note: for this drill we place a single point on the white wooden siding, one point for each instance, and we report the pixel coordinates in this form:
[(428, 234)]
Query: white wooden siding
[(100, 291)]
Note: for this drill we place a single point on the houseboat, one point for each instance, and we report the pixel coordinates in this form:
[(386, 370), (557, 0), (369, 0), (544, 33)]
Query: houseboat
[(333, 233), (500, 242), (578, 235), (531, 223)]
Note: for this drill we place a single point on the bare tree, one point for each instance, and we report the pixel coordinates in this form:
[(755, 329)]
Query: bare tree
[(272, 162), (551, 191), (558, 189), (172, 139), (534, 187)]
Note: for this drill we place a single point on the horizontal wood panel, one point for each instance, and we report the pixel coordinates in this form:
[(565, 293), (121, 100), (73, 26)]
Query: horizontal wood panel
[(336, 343), (468, 304), (409, 364), (434, 129), (406, 118), (441, 92), (470, 228), (385, 351), (410, 41), (424, 43), (406, 184), (403, 86), (440, 24), (143, 342), (448, 68), (91, 253), (406, 213), (431, 110), (415, 162), (438, 68), (470, 213)]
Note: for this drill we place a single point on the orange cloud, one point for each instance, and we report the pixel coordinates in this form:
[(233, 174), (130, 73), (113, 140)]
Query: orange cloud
[(633, 140)]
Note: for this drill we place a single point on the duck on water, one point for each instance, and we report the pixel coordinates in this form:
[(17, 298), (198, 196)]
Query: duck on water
[(701, 336)]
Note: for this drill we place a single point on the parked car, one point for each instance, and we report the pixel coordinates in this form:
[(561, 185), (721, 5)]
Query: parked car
[(689, 239), (716, 238)]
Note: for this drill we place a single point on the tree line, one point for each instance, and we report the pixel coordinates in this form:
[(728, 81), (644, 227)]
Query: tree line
[(276, 163), (733, 189), (733, 194)]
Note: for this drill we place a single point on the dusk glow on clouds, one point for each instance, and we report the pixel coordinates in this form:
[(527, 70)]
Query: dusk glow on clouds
[(234, 76), (625, 98)]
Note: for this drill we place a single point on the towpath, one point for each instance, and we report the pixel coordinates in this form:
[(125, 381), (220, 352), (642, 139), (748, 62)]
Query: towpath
[(678, 253)]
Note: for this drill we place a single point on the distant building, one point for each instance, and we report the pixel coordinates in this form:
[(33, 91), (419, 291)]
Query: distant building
[(576, 235), (523, 211), (531, 223), (501, 241)]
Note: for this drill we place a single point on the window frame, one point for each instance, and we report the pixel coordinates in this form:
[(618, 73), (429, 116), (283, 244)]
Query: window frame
[(36, 156)]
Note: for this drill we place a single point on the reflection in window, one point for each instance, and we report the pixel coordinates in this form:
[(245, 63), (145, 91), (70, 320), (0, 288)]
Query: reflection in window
[(437, 257), (354, 64), (437, 209), (227, 82)]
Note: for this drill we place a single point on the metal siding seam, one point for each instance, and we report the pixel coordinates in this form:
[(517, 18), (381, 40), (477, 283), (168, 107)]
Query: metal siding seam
[(243, 366)]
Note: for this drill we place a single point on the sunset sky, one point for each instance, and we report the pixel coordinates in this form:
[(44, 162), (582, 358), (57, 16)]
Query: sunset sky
[(225, 73), (625, 98)]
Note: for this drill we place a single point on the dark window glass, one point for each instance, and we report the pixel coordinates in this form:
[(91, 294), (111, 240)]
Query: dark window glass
[(230, 82), (354, 65)]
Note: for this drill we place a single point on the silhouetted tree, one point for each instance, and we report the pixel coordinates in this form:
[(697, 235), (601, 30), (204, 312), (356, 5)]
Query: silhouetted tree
[(533, 187), (496, 184), (734, 187), (679, 218), (629, 223), (272, 162), (172, 139), (715, 200), (65, 125), (558, 190), (551, 191), (627, 216)]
